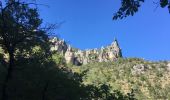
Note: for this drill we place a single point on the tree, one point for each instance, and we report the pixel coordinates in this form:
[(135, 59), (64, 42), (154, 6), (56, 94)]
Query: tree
[(20, 29), (130, 7)]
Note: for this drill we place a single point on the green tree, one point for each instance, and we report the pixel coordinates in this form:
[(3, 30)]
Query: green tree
[(130, 7), (20, 29)]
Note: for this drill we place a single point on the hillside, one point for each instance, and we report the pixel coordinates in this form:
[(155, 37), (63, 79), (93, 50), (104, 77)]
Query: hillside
[(148, 80), (119, 78), (37, 65)]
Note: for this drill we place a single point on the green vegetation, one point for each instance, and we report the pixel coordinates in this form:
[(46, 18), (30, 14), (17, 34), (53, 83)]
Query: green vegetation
[(151, 83), (39, 78), (30, 71)]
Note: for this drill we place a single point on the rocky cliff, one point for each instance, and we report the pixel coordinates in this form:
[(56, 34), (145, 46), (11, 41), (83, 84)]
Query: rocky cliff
[(79, 57)]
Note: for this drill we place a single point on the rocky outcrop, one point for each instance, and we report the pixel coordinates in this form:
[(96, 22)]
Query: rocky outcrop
[(79, 57), (138, 69), (168, 66), (58, 45), (69, 55)]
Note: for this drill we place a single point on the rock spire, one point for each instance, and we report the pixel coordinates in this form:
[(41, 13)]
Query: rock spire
[(80, 57)]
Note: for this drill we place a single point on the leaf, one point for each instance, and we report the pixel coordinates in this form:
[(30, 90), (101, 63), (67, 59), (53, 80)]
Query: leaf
[(163, 3)]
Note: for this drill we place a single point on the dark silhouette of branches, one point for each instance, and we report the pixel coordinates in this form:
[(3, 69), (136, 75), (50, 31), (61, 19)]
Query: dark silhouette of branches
[(130, 7), (19, 29)]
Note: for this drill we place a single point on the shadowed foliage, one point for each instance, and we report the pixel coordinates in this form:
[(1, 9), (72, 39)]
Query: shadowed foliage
[(130, 7), (20, 30)]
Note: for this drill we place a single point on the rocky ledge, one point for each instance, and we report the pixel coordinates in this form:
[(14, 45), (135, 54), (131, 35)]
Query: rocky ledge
[(80, 57)]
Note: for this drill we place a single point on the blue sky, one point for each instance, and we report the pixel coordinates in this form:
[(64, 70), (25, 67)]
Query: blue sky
[(89, 24)]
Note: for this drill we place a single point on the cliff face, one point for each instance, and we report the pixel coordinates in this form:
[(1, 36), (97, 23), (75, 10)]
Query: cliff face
[(79, 57)]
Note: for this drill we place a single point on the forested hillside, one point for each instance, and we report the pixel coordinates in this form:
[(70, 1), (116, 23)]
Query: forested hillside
[(50, 78), (148, 80), (31, 69)]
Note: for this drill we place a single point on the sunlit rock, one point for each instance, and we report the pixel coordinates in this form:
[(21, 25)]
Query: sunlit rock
[(138, 69), (69, 56), (168, 67), (80, 57)]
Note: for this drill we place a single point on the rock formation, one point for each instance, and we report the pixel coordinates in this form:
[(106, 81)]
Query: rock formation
[(58, 45), (69, 55), (79, 57), (168, 66), (138, 69)]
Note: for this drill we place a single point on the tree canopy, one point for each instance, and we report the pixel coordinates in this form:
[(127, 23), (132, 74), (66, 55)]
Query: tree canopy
[(20, 30)]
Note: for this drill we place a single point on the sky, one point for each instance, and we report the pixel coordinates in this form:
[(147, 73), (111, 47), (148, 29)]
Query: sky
[(88, 24)]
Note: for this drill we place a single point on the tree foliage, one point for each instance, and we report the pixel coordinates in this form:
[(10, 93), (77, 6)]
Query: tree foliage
[(130, 7), (20, 30)]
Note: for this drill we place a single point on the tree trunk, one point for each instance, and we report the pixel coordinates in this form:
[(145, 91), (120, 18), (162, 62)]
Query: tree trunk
[(9, 75), (45, 91)]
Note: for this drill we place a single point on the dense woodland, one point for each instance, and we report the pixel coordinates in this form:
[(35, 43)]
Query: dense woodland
[(30, 71)]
